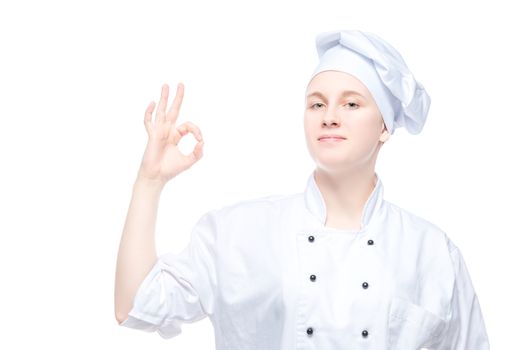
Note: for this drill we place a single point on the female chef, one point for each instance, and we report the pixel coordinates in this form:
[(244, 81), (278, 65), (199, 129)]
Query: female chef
[(333, 267)]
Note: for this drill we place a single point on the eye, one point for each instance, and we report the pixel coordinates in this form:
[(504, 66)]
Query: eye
[(351, 105)]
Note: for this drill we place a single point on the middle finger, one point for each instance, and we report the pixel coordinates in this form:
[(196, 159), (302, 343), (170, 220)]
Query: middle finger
[(161, 110), (172, 115)]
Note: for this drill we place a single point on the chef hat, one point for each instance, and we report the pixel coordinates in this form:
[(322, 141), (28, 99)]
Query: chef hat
[(401, 99)]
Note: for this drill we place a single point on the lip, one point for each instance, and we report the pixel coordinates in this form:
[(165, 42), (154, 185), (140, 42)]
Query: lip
[(331, 137)]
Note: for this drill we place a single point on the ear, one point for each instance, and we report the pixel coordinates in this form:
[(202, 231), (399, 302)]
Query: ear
[(385, 133)]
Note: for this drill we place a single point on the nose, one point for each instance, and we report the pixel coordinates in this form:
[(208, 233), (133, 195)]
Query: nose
[(330, 119)]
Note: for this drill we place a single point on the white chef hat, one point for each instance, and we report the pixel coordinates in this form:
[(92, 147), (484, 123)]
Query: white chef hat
[(402, 101)]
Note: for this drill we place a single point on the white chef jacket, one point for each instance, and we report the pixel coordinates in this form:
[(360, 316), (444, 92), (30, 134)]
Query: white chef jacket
[(270, 275)]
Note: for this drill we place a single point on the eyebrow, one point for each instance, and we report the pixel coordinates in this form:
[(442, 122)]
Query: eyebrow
[(344, 94)]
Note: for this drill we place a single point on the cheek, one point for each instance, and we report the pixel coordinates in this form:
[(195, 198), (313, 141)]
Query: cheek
[(365, 123), (308, 126), (365, 131)]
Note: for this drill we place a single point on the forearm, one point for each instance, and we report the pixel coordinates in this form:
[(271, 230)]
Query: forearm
[(137, 251)]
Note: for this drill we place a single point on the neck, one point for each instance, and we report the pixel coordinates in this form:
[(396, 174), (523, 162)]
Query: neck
[(345, 194)]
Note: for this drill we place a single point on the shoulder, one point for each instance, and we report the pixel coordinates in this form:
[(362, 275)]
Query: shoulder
[(260, 206), (237, 216), (417, 227)]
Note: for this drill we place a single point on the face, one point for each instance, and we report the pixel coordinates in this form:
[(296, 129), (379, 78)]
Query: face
[(337, 103)]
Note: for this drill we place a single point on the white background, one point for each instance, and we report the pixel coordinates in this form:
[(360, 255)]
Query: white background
[(76, 77)]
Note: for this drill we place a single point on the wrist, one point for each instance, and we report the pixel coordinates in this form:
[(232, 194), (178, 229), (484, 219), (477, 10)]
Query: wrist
[(146, 182)]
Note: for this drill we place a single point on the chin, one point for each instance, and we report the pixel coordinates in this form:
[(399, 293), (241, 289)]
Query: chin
[(333, 161)]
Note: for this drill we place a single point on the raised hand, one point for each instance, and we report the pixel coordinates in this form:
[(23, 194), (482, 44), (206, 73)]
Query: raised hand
[(162, 159)]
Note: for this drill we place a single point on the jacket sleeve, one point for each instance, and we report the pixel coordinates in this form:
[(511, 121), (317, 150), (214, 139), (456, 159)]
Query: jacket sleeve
[(465, 329), (180, 287)]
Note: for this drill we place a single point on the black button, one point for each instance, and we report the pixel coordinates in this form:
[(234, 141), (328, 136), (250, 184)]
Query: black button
[(364, 333), (313, 278), (365, 285), (370, 242), (311, 238), (310, 331)]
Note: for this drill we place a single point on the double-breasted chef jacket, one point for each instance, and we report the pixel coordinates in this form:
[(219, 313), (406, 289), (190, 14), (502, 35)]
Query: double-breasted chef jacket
[(270, 275)]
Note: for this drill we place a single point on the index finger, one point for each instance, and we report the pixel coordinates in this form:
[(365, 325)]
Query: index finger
[(172, 115)]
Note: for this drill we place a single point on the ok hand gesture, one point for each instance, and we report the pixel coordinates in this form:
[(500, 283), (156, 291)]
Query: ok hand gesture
[(162, 159)]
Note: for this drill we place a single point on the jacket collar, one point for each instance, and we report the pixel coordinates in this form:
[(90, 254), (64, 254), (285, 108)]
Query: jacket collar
[(316, 205)]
